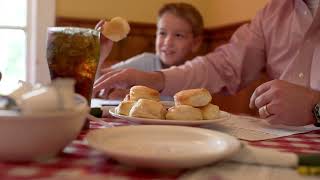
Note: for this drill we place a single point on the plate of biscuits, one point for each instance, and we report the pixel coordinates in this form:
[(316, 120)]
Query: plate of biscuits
[(191, 107)]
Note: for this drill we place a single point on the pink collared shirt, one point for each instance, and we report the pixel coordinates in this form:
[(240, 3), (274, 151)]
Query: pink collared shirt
[(283, 39)]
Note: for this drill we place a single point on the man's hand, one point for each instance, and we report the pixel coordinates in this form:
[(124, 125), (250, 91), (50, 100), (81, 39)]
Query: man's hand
[(106, 70), (118, 94), (126, 78), (285, 103)]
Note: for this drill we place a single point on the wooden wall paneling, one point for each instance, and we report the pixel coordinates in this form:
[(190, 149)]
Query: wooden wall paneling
[(221, 35)]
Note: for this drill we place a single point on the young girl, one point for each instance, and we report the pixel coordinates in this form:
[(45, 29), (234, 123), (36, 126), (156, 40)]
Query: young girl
[(178, 38)]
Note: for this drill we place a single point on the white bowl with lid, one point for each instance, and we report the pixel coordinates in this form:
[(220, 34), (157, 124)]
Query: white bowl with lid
[(41, 135)]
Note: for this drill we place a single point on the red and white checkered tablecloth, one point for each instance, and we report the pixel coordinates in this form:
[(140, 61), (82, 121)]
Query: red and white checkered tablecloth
[(298, 143), (78, 161)]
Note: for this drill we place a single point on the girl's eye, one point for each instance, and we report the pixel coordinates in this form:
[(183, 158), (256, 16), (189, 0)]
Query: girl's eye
[(161, 33), (180, 35)]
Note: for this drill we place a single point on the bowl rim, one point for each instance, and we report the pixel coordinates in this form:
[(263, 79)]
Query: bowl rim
[(80, 107)]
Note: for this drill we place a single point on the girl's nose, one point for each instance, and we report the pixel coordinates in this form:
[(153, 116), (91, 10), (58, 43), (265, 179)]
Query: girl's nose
[(168, 40)]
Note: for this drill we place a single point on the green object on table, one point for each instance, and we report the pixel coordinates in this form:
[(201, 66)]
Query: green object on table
[(309, 164), (96, 112), (309, 160)]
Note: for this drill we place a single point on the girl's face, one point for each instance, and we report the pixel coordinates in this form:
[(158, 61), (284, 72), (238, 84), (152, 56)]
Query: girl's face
[(175, 41)]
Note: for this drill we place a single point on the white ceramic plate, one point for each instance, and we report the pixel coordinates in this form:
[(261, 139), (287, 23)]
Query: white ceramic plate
[(223, 116), (96, 102), (164, 147)]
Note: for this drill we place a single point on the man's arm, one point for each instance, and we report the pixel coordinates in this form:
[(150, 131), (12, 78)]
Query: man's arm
[(228, 68), (126, 78)]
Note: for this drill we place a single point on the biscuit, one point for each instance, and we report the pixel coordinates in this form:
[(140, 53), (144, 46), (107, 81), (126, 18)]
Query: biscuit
[(116, 29), (145, 108), (193, 97), (124, 107), (184, 112), (210, 111), (126, 98), (143, 92)]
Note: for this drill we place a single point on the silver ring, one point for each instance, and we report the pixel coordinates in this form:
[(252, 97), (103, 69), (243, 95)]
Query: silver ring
[(265, 110)]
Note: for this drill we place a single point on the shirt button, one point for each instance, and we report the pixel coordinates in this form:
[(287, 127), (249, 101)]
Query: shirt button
[(301, 75), (305, 12)]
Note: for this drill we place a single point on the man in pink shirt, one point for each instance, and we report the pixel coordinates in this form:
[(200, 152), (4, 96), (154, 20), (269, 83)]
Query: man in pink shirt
[(283, 39)]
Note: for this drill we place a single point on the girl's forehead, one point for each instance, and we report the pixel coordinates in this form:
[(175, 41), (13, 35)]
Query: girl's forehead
[(172, 20), (168, 15)]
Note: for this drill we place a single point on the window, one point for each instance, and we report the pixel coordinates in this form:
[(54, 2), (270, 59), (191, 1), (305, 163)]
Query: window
[(22, 44)]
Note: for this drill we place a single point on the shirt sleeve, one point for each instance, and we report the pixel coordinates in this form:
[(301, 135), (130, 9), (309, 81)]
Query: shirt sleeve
[(228, 68), (144, 62)]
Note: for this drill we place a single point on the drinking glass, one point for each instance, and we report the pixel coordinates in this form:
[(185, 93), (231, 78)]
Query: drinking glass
[(74, 53)]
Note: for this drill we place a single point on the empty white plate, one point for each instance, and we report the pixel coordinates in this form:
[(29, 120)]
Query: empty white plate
[(160, 146)]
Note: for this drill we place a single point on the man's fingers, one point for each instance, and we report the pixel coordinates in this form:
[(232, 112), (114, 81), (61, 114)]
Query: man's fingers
[(99, 24), (106, 70), (264, 99), (118, 79), (103, 85), (258, 91), (263, 112), (106, 76)]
